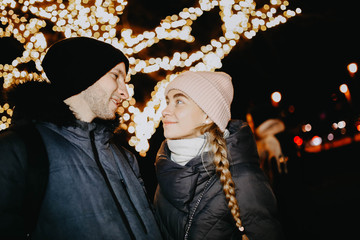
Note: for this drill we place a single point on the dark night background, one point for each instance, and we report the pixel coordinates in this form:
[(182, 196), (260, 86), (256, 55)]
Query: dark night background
[(305, 59)]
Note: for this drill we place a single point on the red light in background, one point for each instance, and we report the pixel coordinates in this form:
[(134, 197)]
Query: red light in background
[(298, 140)]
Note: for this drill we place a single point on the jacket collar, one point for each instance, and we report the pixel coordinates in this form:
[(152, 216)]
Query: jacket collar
[(83, 131), (240, 143)]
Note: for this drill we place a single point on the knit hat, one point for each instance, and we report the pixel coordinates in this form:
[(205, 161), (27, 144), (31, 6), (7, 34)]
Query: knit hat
[(74, 64), (212, 91)]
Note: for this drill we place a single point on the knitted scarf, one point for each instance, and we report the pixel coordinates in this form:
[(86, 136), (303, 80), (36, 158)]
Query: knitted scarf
[(183, 150)]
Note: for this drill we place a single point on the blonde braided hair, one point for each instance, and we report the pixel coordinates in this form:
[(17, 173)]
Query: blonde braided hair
[(219, 150)]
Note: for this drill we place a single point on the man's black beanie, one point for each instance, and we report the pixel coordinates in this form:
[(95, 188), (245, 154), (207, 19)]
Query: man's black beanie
[(74, 64)]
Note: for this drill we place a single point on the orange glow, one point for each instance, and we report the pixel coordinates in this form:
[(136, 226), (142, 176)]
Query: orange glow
[(345, 90)]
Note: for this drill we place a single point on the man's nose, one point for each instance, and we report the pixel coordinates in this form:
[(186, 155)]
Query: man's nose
[(123, 91)]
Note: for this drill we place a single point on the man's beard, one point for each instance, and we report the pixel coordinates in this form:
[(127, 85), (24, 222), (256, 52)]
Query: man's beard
[(98, 101)]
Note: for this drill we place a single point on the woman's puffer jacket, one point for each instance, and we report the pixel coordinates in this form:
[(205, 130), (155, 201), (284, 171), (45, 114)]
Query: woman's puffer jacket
[(190, 201)]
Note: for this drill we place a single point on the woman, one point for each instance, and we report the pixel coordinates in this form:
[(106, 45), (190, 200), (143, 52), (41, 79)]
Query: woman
[(210, 184)]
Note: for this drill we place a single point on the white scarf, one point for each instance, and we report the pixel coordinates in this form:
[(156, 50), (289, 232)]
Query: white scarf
[(183, 150)]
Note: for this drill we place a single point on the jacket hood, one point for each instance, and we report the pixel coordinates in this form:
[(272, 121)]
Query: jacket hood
[(39, 102), (241, 143)]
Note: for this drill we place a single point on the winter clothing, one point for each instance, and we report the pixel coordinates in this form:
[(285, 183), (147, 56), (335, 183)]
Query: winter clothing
[(74, 64), (216, 93), (78, 204), (190, 198), (183, 150)]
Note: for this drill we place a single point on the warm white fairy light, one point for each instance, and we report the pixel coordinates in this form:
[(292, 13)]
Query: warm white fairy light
[(98, 19), (6, 113)]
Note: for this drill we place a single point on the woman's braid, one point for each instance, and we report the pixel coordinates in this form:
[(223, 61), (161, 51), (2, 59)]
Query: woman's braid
[(219, 150)]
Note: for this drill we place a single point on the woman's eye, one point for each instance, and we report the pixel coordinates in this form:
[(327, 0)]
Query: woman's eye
[(178, 101)]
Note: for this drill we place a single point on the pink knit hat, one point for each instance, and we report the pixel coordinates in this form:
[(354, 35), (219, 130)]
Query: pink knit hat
[(212, 91)]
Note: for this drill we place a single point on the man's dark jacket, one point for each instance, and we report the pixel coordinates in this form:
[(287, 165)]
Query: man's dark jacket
[(77, 203)]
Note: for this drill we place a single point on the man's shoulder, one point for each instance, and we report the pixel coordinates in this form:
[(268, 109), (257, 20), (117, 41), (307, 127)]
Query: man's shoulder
[(9, 137), (12, 151), (18, 140)]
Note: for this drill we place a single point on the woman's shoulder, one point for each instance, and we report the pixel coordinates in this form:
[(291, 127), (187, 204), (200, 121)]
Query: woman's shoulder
[(241, 144), (238, 126)]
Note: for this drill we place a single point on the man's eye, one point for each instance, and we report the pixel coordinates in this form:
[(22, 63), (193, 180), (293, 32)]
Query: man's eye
[(115, 75)]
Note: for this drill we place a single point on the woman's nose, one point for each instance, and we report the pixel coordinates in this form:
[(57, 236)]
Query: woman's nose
[(166, 111)]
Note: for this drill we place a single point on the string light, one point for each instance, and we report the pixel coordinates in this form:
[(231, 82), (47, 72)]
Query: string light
[(6, 113), (99, 18)]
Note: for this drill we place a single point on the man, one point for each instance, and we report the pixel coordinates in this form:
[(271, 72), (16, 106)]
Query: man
[(94, 189)]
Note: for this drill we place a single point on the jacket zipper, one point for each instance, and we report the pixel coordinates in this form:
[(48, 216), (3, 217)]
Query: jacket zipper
[(192, 214), (132, 204), (103, 173)]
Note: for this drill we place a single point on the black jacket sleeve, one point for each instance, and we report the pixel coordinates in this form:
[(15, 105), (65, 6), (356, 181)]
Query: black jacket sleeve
[(12, 184)]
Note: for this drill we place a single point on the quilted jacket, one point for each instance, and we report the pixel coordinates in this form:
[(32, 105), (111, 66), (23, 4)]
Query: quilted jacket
[(77, 203), (190, 201)]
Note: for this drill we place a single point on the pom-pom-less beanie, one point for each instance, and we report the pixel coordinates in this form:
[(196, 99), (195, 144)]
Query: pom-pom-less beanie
[(74, 64), (212, 91)]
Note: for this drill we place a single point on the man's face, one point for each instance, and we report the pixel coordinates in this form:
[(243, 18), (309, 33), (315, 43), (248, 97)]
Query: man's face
[(105, 95)]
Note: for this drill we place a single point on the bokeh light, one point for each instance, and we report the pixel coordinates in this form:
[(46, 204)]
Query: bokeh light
[(27, 21)]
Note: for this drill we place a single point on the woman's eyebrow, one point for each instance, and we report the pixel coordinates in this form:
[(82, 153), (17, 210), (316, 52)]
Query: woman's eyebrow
[(179, 95), (176, 96)]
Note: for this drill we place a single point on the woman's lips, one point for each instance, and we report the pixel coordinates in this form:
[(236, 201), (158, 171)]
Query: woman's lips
[(168, 122)]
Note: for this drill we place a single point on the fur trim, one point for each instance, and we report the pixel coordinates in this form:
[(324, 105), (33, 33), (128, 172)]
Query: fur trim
[(37, 101)]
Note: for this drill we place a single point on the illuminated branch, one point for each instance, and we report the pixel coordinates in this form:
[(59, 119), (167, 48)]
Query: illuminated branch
[(99, 18)]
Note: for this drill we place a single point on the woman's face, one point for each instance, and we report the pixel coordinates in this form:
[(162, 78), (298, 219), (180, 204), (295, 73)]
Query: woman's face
[(182, 117)]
